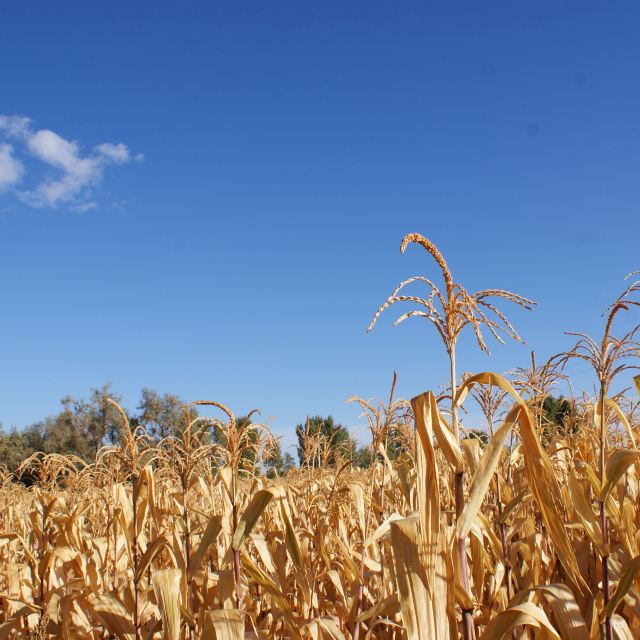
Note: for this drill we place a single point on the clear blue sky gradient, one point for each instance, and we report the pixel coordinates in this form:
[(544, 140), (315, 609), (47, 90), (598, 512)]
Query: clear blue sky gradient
[(288, 148)]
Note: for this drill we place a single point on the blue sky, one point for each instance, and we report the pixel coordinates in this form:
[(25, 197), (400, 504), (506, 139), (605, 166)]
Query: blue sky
[(237, 245)]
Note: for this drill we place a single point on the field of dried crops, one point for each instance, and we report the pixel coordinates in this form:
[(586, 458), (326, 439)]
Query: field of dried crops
[(530, 532)]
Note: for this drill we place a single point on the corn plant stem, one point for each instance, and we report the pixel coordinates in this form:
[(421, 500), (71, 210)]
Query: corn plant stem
[(468, 627), (503, 539), (43, 543), (603, 516), (108, 537), (509, 463), (382, 488), (356, 631), (114, 524), (149, 537), (360, 595), (382, 514), (505, 545), (134, 544), (236, 552), (503, 526), (187, 544)]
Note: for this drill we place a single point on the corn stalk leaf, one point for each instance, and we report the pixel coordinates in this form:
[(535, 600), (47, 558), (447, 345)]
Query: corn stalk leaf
[(629, 572), (411, 581), (617, 463), (484, 473), (250, 516), (522, 614), (542, 479), (566, 612), (214, 526), (166, 584), (223, 624)]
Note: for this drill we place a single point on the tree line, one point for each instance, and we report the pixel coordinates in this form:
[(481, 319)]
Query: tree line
[(82, 427)]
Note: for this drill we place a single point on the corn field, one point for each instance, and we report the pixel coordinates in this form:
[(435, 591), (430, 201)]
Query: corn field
[(532, 531)]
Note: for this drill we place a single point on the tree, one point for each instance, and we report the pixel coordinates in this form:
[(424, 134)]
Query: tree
[(478, 434), (161, 415), (71, 428), (557, 413), (96, 418), (16, 445), (364, 457), (59, 435), (321, 441), (276, 463), (288, 463), (81, 428)]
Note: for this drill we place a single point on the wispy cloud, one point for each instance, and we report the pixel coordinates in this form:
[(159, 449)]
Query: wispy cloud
[(77, 174), (11, 168), (15, 126)]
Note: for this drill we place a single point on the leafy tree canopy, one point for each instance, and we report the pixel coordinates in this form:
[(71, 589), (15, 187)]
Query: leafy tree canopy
[(321, 441)]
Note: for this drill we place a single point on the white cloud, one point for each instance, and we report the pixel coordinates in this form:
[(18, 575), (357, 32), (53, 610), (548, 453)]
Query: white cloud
[(15, 126), (11, 169), (118, 153), (78, 174)]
